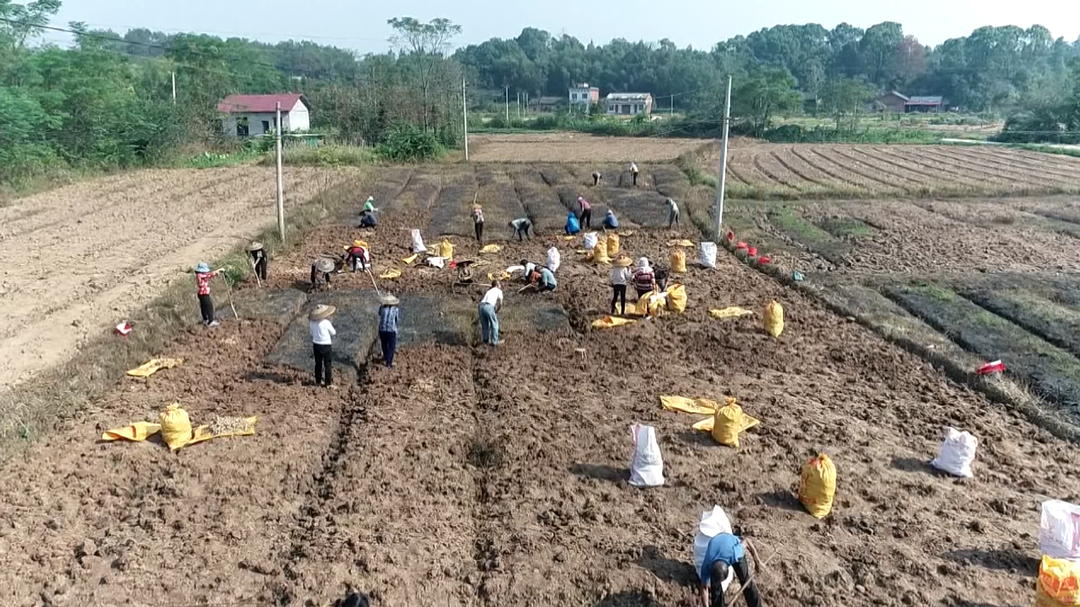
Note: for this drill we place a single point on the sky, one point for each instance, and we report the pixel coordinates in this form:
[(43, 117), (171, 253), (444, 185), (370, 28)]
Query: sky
[(360, 25)]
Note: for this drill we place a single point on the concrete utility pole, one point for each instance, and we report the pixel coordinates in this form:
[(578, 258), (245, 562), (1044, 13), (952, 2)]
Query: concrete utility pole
[(280, 185), (722, 184), (673, 105), (174, 88), (507, 106), (465, 119)]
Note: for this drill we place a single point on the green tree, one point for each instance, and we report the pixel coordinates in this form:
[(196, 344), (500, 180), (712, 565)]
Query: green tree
[(764, 95), (843, 98)]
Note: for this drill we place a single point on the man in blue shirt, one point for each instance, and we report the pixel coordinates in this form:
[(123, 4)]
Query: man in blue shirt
[(727, 551), (547, 279), (389, 317)]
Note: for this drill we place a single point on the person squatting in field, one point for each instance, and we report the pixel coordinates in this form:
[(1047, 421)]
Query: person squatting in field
[(521, 227), (727, 551)]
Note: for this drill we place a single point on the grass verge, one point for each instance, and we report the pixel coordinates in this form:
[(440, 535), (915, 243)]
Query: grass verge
[(30, 409)]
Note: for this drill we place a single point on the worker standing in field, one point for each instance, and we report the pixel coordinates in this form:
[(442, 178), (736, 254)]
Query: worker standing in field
[(478, 223), (521, 227), (672, 213), (586, 212), (489, 314), (620, 277), (203, 275), (634, 172), (258, 259), (389, 317), (726, 551), (644, 278), (610, 222), (322, 340), (596, 177)]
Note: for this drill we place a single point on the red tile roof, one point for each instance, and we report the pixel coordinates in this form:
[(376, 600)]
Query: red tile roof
[(259, 103)]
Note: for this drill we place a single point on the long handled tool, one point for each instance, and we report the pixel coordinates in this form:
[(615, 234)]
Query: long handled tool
[(372, 276), (750, 578), (228, 286), (255, 271)]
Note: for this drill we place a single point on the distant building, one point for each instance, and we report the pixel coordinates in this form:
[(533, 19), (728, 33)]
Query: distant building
[(933, 104), (583, 96), (254, 115), (545, 105), (902, 104), (629, 104), (892, 102)]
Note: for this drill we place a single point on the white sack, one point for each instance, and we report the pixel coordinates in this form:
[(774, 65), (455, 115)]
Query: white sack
[(554, 259), (1059, 530), (956, 454), (647, 467), (418, 243), (713, 522), (590, 240), (708, 254)]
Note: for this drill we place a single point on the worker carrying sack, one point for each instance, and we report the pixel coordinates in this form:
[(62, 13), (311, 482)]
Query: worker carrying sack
[(773, 319), (713, 523), (554, 259), (727, 423), (678, 261), (418, 243), (1058, 584), (817, 487), (573, 226), (1059, 530), (599, 254), (175, 426), (708, 254), (613, 244), (676, 298), (956, 454), (647, 467), (590, 240)]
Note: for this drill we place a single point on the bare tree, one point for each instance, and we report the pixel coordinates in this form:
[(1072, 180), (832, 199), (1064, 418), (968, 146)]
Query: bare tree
[(427, 43)]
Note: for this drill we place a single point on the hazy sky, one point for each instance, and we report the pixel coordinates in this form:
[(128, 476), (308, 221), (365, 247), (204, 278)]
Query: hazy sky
[(361, 25)]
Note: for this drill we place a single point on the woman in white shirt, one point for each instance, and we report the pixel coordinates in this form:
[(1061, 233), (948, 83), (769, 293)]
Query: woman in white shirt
[(322, 339), (620, 276)]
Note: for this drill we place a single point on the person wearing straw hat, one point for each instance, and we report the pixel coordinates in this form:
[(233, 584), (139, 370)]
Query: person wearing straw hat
[(620, 277), (322, 340), (258, 259), (203, 275), (357, 256), (321, 271), (728, 551), (389, 319), (478, 222), (488, 311)]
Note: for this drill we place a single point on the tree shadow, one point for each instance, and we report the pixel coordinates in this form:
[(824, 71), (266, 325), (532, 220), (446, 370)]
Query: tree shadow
[(610, 474), (668, 570), (780, 499), (1005, 559), (276, 377), (637, 598), (954, 601), (911, 464)]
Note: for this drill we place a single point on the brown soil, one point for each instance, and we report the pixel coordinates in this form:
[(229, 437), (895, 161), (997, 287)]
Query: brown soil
[(577, 147)]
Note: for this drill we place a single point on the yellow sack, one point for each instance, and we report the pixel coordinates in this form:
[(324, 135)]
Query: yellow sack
[(650, 304), (625, 233), (205, 433), (599, 254), (706, 425), (696, 406), (676, 298), (152, 366), (411, 258), (727, 423), (774, 319), (818, 486), (138, 431), (608, 322), (390, 274), (175, 426), (730, 312), (613, 244), (504, 275), (1058, 584), (568, 238), (446, 249), (680, 243), (678, 261), (491, 248)]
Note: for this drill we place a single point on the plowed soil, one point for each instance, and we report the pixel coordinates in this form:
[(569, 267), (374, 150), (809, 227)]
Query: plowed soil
[(471, 475)]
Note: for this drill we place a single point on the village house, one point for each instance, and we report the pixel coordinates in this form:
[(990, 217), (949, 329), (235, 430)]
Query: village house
[(254, 115), (544, 105), (583, 96), (902, 104), (629, 104)]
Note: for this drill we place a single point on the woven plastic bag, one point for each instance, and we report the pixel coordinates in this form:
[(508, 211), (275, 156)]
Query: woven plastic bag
[(678, 261), (1058, 584), (647, 466), (956, 454), (773, 319), (418, 242), (817, 486), (708, 254), (1059, 530), (599, 254), (175, 426), (591, 239), (676, 298), (613, 244), (727, 423), (713, 522), (554, 259)]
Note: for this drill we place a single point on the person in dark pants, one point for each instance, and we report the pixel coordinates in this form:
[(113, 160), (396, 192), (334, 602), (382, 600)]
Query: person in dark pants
[(258, 259), (644, 278), (634, 172), (368, 220), (389, 317), (660, 274), (610, 222), (726, 551), (478, 223), (322, 269), (203, 275), (322, 340), (596, 177), (521, 227), (586, 212), (620, 276)]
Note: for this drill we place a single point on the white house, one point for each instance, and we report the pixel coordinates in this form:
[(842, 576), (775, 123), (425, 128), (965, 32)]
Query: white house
[(254, 115), (629, 104), (582, 96)]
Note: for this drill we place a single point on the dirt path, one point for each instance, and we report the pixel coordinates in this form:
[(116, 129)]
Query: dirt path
[(78, 259)]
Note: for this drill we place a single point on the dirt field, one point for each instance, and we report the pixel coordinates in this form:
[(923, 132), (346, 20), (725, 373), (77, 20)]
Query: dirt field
[(576, 147), (80, 258)]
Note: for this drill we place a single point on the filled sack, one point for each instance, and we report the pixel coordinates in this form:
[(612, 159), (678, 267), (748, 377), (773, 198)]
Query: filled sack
[(727, 424), (817, 486), (956, 453), (599, 254), (418, 242), (647, 466), (590, 240), (554, 259), (773, 319), (1058, 584), (713, 522), (676, 298), (175, 426), (678, 261), (708, 254), (1059, 530), (613, 244), (446, 250)]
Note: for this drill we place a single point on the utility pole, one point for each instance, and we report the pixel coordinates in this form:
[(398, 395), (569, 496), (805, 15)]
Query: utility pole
[(723, 164), (465, 119), (507, 106), (673, 105), (174, 88), (280, 186)]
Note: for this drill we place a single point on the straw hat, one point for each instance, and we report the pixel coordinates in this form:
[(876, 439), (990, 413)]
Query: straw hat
[(389, 300), (202, 268), (255, 246), (321, 312), (624, 262), (324, 265)]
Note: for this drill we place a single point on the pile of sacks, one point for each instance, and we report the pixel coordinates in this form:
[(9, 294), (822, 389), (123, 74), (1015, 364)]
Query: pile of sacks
[(1059, 542)]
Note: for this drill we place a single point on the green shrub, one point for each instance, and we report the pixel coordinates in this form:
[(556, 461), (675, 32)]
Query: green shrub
[(409, 143), (326, 156)]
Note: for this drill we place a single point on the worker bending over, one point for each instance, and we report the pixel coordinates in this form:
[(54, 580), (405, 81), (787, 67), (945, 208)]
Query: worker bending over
[(634, 172), (320, 273), (357, 257), (258, 259), (673, 213), (610, 222), (521, 227), (586, 212), (596, 177), (726, 551)]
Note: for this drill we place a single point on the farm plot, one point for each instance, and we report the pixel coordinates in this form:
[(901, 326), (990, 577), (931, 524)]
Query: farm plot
[(450, 211), (578, 148)]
